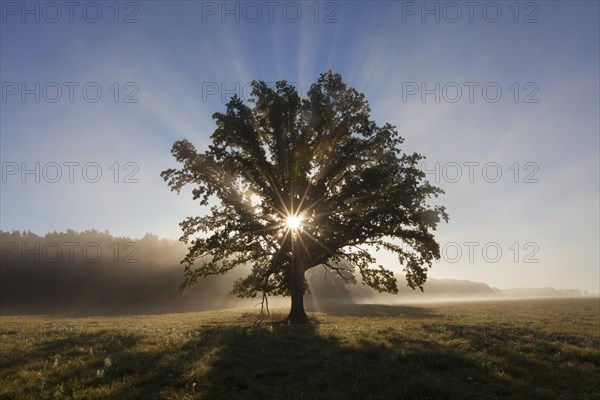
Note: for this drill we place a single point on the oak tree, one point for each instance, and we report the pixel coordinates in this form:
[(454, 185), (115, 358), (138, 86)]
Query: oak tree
[(293, 183)]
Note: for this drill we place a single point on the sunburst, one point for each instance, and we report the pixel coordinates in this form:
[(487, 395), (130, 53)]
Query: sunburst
[(293, 222)]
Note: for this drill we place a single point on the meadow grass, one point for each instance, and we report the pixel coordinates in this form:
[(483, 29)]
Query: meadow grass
[(534, 349)]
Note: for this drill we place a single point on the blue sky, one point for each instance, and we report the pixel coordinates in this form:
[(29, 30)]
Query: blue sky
[(181, 57)]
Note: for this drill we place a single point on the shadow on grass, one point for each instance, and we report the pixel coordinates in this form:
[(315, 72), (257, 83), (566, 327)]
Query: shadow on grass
[(276, 361), (298, 363)]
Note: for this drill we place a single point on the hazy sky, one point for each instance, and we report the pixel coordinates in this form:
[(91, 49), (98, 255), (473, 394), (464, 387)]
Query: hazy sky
[(505, 95)]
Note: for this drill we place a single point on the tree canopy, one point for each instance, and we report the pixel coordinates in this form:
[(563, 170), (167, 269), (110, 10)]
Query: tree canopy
[(294, 183)]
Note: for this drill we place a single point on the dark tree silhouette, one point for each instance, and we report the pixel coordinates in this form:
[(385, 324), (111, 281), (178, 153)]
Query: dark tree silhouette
[(298, 183)]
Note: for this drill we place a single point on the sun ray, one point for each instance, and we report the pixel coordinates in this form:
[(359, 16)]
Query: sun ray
[(303, 197), (317, 241)]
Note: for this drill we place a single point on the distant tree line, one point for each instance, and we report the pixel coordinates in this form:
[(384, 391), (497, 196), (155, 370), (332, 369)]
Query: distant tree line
[(96, 272)]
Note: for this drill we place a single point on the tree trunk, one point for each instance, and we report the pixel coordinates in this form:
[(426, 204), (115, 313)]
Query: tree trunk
[(297, 313)]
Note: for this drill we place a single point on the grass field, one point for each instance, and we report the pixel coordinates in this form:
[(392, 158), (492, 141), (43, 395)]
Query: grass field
[(535, 349)]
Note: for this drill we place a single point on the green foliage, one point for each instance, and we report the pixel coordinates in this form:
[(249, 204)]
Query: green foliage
[(320, 158)]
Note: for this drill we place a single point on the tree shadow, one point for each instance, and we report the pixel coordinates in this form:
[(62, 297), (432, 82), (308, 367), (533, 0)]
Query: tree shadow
[(299, 362)]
